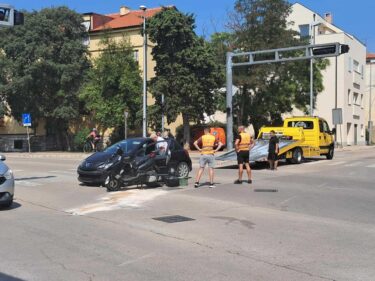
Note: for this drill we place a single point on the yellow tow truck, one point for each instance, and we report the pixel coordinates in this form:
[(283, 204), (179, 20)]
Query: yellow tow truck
[(299, 137)]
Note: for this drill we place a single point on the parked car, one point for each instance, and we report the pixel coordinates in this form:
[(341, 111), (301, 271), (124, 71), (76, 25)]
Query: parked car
[(6, 184), (96, 168)]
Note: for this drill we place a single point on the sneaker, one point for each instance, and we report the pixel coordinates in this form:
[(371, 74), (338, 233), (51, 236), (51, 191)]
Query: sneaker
[(196, 184), (212, 185), (249, 181), (238, 182)]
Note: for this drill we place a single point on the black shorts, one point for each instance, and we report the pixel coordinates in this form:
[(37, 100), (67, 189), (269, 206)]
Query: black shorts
[(273, 156), (243, 157)]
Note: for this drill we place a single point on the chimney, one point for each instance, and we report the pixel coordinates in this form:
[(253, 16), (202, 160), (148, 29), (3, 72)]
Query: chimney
[(124, 10), (328, 17)]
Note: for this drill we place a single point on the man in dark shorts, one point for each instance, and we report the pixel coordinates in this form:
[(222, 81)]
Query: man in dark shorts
[(244, 143), (273, 150)]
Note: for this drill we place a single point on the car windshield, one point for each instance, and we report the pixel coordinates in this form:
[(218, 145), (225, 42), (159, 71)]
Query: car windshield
[(126, 145)]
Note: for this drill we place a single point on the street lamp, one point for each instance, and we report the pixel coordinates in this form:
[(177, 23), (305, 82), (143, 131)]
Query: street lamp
[(144, 8), (312, 27), (370, 104)]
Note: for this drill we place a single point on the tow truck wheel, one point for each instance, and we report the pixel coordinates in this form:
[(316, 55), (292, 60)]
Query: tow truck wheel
[(330, 153), (112, 184), (297, 156)]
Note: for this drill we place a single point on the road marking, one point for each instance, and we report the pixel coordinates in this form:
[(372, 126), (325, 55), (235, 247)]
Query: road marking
[(27, 183), (314, 162), (287, 200), (16, 171), (119, 200), (337, 163), (61, 172), (371, 166), (354, 164), (137, 259)]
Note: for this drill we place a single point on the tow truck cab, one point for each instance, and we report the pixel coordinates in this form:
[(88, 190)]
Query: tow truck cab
[(318, 138)]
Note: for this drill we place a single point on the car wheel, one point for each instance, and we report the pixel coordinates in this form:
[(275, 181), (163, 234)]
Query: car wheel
[(183, 170), (297, 156), (330, 153), (9, 203), (112, 184)]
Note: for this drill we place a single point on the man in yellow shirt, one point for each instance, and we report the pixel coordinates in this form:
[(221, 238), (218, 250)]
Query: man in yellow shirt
[(244, 143), (206, 145)]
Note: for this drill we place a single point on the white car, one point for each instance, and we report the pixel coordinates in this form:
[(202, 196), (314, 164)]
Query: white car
[(6, 184)]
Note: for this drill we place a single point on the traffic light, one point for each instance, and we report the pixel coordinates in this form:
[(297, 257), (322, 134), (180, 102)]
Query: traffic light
[(325, 50), (344, 49)]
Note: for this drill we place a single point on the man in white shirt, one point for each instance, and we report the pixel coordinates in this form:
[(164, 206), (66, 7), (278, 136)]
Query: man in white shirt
[(161, 144)]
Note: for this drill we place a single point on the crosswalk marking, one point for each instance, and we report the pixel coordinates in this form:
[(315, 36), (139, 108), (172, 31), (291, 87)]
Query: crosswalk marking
[(27, 183), (371, 166), (62, 172)]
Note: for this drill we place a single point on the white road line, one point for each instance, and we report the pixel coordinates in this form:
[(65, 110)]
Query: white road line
[(61, 172), (16, 171), (315, 162), (337, 163), (371, 166), (27, 183), (354, 164), (137, 259)]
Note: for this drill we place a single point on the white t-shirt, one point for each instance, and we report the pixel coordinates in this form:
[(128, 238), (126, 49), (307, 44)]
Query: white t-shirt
[(161, 144)]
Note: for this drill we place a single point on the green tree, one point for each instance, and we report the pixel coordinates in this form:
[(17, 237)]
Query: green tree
[(186, 71), (268, 91), (43, 63), (113, 85)]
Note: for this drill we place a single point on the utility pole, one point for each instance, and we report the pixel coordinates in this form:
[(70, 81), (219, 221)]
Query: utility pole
[(370, 105), (162, 112), (144, 123)]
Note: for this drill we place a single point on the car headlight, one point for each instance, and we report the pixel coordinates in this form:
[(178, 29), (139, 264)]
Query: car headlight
[(8, 174), (105, 166)]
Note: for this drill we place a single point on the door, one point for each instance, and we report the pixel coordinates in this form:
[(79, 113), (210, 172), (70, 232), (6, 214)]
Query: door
[(323, 143), (355, 134)]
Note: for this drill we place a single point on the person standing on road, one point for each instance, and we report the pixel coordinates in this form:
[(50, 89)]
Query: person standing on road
[(273, 150), (243, 144), (206, 145)]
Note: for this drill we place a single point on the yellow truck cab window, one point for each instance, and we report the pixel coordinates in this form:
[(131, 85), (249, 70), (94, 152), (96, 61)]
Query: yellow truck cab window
[(307, 125)]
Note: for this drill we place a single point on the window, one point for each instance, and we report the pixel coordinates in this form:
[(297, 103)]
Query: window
[(361, 100), (355, 99), (4, 14), (326, 127), (321, 128), (304, 30), (349, 98), (362, 131), (350, 64), (136, 55), (301, 124), (86, 39), (356, 66)]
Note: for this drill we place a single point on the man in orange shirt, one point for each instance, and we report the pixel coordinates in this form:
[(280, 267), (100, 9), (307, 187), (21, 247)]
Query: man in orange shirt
[(206, 145), (244, 143)]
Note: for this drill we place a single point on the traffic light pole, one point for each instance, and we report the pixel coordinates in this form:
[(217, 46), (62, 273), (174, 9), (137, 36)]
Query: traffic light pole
[(274, 56)]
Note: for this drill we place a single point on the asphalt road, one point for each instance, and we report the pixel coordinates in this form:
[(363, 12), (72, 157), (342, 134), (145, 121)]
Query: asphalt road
[(318, 225)]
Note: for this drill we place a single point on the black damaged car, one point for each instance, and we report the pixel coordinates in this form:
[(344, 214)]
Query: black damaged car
[(96, 168)]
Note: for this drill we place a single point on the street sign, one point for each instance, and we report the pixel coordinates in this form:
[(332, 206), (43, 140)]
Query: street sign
[(337, 116), (26, 119)]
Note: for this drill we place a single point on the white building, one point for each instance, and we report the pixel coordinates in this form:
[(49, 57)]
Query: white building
[(351, 86), (370, 92)]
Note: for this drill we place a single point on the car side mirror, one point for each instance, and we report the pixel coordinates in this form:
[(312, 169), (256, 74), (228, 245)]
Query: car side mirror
[(2, 158), (333, 132)]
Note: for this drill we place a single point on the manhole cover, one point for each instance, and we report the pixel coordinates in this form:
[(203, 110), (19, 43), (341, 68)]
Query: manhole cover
[(173, 219), (265, 190)]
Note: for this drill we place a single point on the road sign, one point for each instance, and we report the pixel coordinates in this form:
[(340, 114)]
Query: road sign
[(337, 116), (26, 119)]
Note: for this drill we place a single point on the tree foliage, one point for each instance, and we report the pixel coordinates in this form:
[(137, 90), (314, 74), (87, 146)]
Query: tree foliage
[(113, 85), (43, 63), (267, 91), (186, 71)]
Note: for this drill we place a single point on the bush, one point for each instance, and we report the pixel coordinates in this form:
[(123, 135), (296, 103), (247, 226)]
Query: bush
[(80, 139)]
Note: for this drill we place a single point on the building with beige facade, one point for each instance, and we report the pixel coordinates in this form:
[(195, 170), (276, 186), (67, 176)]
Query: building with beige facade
[(351, 84), (370, 93)]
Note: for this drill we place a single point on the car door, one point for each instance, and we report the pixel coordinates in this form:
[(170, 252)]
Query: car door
[(327, 133), (323, 141)]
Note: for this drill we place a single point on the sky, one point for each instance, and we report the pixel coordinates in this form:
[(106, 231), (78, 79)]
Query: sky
[(354, 17)]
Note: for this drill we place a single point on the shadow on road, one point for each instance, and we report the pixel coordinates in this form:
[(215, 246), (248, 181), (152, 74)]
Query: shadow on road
[(5, 277), (15, 205), (34, 178)]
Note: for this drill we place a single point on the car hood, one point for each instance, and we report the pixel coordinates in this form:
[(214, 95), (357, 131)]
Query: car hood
[(96, 159)]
